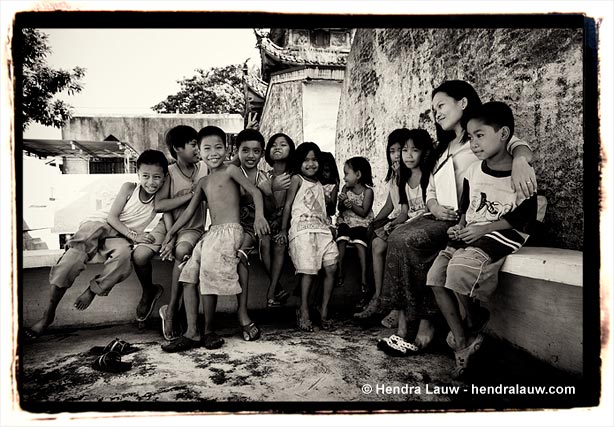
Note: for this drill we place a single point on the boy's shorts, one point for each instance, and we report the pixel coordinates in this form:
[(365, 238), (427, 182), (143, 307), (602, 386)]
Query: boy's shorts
[(355, 235), (466, 271), (311, 251), (189, 236), (214, 261)]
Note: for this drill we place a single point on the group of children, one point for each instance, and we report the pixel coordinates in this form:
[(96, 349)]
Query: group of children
[(295, 207)]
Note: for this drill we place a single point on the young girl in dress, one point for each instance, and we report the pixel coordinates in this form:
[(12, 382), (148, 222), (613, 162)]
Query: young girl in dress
[(278, 152), (416, 146), (355, 213), (309, 238)]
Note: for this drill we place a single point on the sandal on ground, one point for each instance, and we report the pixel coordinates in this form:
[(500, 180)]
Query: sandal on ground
[(282, 296), (392, 320), (272, 302), (111, 362), (396, 346), (303, 324), (251, 332), (182, 343), (325, 323), (484, 319), (152, 304), (463, 356), (370, 310), (117, 345), (162, 313), (212, 341)]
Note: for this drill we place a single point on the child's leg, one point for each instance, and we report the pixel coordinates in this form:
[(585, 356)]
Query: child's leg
[(277, 264), (191, 299), (362, 257), (182, 250), (243, 270), (55, 296), (447, 302), (265, 252), (306, 280), (329, 277), (141, 259), (379, 247), (341, 244), (117, 268), (209, 303)]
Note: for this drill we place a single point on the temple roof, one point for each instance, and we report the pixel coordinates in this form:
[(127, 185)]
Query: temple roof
[(303, 56), (256, 84)]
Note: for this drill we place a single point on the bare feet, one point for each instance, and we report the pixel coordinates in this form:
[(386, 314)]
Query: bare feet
[(85, 299), (426, 333), (148, 301), (39, 327)]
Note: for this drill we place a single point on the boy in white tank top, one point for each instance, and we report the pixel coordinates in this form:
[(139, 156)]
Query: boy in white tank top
[(112, 234)]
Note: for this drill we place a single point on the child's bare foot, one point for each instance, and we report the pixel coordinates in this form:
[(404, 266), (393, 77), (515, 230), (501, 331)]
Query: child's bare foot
[(168, 328), (426, 333), (39, 327), (85, 299), (148, 301)]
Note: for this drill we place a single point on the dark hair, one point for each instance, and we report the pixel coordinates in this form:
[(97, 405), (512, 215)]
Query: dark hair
[(249, 135), (397, 136), (178, 137), (327, 159), (423, 142), (362, 165), (152, 157), (495, 114), (269, 146), (296, 161), (211, 130), (457, 89)]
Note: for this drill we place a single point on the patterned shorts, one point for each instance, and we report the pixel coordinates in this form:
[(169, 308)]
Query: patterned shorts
[(313, 250)]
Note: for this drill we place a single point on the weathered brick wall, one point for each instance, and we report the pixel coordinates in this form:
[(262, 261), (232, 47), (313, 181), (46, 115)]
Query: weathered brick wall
[(538, 72), (283, 111)]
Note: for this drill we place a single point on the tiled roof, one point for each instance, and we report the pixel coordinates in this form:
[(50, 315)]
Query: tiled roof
[(309, 56), (258, 85)]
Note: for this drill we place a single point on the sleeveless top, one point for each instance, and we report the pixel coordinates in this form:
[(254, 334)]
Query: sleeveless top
[(180, 185), (351, 218), (414, 200), (136, 214), (308, 210), (393, 190)]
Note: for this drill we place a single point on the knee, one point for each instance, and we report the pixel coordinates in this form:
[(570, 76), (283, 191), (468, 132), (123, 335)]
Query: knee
[(182, 250), (140, 256), (330, 270), (379, 246)]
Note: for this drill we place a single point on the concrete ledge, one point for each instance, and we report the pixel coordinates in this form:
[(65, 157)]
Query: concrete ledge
[(551, 264)]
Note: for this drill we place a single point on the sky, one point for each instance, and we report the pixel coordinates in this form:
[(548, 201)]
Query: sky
[(130, 70)]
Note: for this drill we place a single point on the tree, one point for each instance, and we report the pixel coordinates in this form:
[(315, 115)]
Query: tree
[(218, 90), (41, 83)]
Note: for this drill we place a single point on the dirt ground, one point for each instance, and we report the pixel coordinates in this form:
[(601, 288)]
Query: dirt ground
[(285, 365)]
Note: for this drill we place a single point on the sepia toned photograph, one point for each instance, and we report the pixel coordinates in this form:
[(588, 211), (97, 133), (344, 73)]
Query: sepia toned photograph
[(346, 214)]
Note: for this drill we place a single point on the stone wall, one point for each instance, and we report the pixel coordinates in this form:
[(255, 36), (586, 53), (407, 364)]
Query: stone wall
[(391, 73), (143, 132), (283, 111)]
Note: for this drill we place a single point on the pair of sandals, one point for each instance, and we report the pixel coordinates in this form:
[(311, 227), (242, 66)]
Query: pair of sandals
[(397, 346), (306, 325), (464, 355), (109, 357), (210, 341)]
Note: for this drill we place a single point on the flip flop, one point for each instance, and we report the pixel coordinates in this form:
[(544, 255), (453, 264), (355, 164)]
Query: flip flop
[(30, 334), (117, 345), (212, 341), (111, 362), (485, 317), (392, 320), (182, 343), (162, 313), (370, 309), (160, 291), (251, 332), (282, 296), (303, 324), (396, 346), (463, 356)]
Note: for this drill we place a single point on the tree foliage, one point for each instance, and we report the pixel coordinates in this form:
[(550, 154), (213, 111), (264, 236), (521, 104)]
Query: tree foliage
[(217, 90), (41, 83)]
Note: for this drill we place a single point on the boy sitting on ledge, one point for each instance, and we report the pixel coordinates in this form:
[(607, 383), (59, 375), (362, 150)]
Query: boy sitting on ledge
[(112, 234)]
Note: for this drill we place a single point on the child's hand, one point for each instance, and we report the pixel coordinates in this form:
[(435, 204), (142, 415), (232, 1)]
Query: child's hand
[(342, 196), (445, 213), (252, 121), (523, 177), (166, 251), (395, 166), (261, 226), (281, 182), (347, 203), (472, 233), (281, 238), (144, 238), (265, 187), (453, 232)]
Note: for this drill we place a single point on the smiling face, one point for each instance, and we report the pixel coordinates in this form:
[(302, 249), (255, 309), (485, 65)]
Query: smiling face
[(448, 111), (280, 149), (250, 153), (212, 151), (411, 155), (486, 142), (350, 176), (189, 153), (310, 165), (151, 177)]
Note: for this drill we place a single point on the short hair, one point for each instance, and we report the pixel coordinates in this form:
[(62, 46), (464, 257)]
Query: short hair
[(269, 146), (212, 131), (495, 114), (178, 137), (299, 156), (152, 157), (362, 165), (249, 135)]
